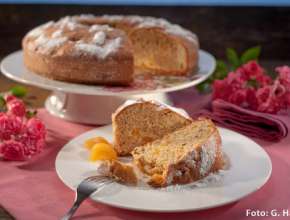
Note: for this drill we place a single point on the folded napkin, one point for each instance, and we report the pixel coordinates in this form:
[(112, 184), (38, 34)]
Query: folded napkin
[(251, 123)]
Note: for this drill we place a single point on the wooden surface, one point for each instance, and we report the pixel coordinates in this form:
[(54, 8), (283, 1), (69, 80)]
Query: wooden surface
[(217, 28)]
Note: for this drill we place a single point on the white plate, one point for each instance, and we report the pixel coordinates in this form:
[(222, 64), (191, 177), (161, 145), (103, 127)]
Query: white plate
[(13, 67), (249, 170)]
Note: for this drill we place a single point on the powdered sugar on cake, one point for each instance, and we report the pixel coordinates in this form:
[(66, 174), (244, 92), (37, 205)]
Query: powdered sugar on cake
[(98, 27), (100, 51), (161, 106), (46, 45), (146, 22), (168, 27), (208, 155), (100, 45), (57, 34), (99, 38), (69, 23), (36, 32), (213, 179)]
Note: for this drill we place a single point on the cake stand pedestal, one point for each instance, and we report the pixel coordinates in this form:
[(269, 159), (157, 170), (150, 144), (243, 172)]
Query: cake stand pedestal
[(94, 104)]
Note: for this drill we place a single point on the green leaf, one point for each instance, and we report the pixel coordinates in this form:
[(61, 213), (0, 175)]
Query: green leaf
[(253, 83), (233, 58), (2, 102), (203, 87), (220, 65), (18, 91), (30, 114), (251, 54), (221, 70)]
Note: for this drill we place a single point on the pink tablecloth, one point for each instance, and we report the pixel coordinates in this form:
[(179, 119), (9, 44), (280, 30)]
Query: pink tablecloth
[(32, 190)]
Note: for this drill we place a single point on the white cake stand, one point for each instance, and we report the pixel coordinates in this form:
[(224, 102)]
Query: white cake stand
[(91, 104)]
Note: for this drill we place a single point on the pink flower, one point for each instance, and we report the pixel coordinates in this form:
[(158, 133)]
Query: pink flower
[(9, 98), (221, 90), (239, 97), (284, 76), (251, 70), (9, 126), (13, 150), (36, 128), (34, 145), (271, 98), (16, 107), (252, 99), (251, 88), (20, 137)]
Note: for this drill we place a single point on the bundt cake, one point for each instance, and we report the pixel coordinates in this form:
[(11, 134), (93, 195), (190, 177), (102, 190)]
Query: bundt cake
[(166, 145), (136, 123), (109, 50), (183, 156)]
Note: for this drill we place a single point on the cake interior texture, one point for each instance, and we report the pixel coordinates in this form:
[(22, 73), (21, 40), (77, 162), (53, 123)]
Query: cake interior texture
[(183, 156), (141, 123), (158, 52), (154, 51)]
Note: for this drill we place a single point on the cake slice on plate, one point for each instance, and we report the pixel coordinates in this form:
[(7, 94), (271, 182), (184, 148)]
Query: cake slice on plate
[(183, 156), (136, 123)]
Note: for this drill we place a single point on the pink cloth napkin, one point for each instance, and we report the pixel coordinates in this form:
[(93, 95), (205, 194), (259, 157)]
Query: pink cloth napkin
[(32, 191), (251, 123)]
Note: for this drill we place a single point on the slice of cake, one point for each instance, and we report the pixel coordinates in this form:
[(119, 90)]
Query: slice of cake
[(138, 122), (183, 156)]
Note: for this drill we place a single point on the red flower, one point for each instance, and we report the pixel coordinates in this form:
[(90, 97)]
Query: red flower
[(13, 150), (251, 88), (36, 128), (9, 126), (16, 107), (20, 137), (284, 75)]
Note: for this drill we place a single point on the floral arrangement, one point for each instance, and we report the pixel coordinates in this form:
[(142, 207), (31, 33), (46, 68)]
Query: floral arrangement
[(250, 87), (245, 83), (22, 134)]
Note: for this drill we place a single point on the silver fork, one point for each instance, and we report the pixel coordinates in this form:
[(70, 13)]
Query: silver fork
[(87, 187)]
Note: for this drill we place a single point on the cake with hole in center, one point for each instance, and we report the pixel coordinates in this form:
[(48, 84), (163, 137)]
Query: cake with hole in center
[(110, 49)]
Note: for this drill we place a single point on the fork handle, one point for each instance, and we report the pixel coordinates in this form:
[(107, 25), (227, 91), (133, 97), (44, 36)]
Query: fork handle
[(72, 210)]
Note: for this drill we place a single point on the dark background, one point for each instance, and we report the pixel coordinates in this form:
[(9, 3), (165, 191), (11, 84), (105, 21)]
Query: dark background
[(217, 27)]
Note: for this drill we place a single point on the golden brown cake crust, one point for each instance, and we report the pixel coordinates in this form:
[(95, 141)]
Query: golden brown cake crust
[(98, 50)]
